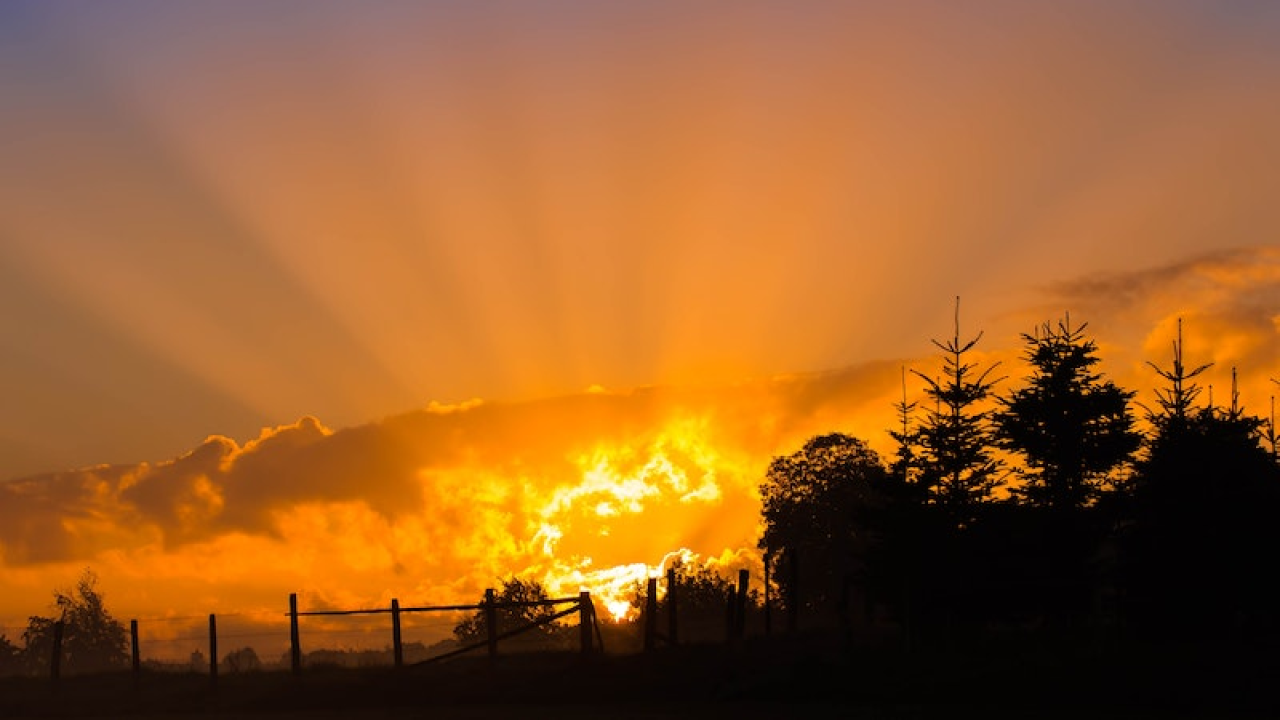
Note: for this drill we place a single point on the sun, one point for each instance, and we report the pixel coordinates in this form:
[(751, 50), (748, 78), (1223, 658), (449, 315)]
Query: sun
[(626, 508), (618, 609)]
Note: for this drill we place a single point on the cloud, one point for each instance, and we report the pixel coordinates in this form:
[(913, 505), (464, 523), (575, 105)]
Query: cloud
[(62, 515), (1227, 302), (181, 496), (1226, 276), (594, 488)]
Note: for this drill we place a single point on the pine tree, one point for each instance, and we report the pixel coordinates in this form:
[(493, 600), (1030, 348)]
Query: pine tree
[(904, 467), (957, 467), (1178, 399), (1071, 427), (1202, 528)]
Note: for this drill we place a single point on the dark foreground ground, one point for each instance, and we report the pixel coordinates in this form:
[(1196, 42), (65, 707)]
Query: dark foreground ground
[(765, 678)]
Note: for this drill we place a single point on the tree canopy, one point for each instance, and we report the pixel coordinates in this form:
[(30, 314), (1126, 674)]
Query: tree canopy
[(1164, 528), (1201, 505), (816, 503), (1070, 425), (92, 640)]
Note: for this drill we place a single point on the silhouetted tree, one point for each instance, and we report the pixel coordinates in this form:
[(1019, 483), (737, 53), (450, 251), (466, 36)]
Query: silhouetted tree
[(957, 467), (92, 640), (1070, 426), (899, 567), (1072, 429), (816, 503), (515, 590), (1202, 534), (1177, 399), (905, 465)]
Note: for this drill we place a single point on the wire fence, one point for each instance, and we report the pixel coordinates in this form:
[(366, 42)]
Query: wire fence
[(386, 636), (529, 625), (245, 641), (367, 638)]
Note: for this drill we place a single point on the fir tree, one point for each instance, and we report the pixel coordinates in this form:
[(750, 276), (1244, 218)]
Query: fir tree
[(904, 467), (957, 468), (1202, 529), (1071, 426)]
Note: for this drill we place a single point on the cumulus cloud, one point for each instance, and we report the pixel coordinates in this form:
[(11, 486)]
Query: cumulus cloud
[(62, 515), (587, 489)]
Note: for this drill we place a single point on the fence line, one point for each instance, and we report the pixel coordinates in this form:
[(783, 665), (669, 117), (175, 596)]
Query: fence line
[(590, 638)]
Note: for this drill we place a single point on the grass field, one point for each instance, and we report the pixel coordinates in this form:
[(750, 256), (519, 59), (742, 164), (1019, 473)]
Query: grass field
[(808, 676)]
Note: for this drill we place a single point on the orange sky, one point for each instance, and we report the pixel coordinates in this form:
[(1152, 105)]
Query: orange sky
[(740, 219)]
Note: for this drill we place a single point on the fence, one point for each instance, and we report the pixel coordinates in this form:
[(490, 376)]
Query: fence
[(181, 643), (203, 633), (582, 605), (735, 606)]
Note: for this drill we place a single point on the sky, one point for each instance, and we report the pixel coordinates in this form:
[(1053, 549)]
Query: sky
[(366, 300)]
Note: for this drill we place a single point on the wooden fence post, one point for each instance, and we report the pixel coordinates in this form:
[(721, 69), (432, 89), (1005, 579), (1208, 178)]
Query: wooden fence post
[(673, 625), (396, 648), (491, 623), (213, 651), (651, 614), (136, 660), (55, 662), (295, 650), (586, 617)]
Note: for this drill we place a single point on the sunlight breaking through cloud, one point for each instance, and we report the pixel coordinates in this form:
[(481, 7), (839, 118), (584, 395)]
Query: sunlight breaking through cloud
[(677, 467), (593, 491), (586, 492)]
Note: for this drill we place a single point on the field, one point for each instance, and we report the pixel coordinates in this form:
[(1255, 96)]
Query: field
[(806, 676)]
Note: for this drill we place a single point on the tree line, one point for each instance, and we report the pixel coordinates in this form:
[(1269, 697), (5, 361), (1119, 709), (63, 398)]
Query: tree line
[(1048, 509)]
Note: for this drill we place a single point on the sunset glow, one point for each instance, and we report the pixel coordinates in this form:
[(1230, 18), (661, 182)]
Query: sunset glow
[(375, 300)]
